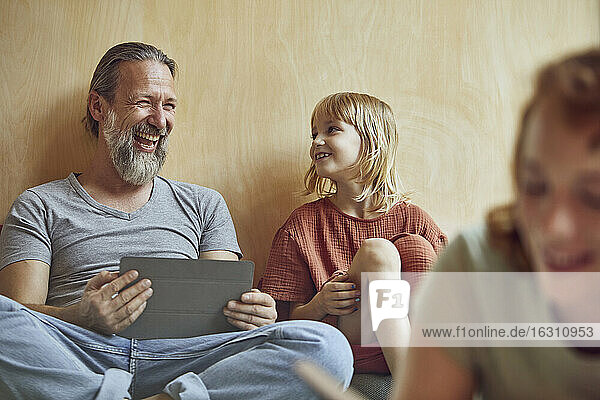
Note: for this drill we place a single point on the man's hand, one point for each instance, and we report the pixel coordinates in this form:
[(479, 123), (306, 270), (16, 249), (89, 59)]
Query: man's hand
[(337, 296), (106, 310), (255, 309)]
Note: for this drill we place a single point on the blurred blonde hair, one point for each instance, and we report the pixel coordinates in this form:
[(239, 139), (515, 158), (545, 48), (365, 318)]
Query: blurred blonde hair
[(376, 169), (572, 85)]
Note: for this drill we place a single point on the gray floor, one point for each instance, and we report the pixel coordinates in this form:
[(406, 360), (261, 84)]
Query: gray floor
[(372, 386)]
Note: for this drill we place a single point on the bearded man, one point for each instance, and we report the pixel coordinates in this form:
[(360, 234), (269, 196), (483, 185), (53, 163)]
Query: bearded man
[(61, 299)]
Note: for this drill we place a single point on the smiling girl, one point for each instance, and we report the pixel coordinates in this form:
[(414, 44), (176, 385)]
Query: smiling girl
[(362, 223)]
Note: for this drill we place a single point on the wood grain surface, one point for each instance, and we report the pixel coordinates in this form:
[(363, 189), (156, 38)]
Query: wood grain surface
[(455, 73)]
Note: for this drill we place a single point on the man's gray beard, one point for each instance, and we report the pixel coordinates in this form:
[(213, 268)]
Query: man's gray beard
[(133, 166)]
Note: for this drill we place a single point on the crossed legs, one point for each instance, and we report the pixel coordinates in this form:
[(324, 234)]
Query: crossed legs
[(45, 358)]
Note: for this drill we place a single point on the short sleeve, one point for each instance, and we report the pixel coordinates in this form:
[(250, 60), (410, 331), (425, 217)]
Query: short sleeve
[(287, 276), (426, 227), (25, 233), (218, 231)]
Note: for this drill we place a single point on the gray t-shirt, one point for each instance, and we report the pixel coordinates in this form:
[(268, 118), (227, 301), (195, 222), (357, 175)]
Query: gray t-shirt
[(60, 224)]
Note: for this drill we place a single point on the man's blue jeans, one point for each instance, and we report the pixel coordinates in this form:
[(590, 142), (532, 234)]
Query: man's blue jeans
[(42, 357)]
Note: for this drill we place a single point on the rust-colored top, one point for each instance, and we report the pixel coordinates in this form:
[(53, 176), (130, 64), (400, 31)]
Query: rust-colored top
[(318, 239)]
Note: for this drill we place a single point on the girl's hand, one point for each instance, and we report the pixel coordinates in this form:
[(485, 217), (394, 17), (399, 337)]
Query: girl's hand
[(337, 296)]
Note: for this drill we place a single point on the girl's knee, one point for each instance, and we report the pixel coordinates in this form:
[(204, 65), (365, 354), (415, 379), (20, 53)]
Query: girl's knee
[(378, 255)]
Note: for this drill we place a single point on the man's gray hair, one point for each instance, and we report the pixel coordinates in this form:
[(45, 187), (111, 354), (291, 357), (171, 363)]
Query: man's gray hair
[(106, 76)]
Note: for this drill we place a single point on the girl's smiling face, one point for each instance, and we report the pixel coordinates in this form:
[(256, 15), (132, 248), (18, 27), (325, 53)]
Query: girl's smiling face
[(558, 183), (335, 149)]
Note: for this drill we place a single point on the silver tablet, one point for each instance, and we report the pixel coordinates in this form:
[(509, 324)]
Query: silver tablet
[(189, 295)]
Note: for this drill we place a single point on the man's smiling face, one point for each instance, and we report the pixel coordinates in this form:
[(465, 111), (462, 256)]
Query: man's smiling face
[(140, 119)]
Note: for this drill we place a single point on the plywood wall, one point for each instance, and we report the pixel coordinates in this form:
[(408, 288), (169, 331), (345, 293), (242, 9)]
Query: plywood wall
[(454, 72)]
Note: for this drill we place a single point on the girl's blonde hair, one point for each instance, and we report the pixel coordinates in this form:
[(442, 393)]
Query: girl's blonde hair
[(573, 86), (376, 166)]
